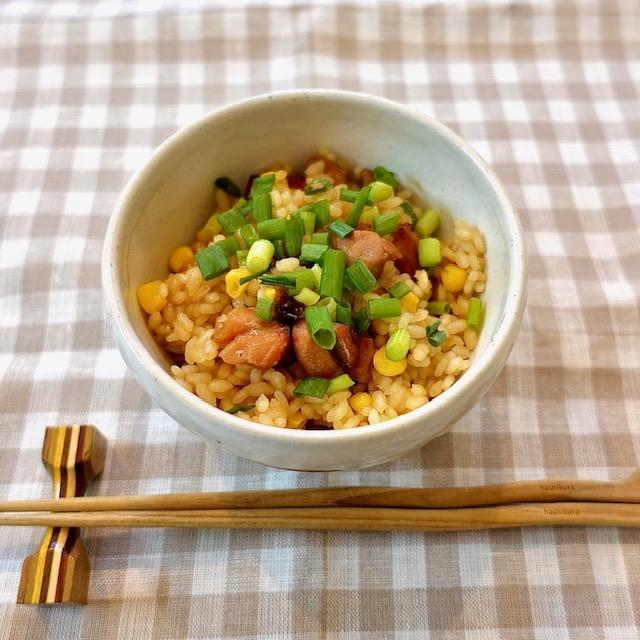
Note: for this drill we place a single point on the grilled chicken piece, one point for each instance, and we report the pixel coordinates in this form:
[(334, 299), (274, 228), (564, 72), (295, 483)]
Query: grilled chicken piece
[(331, 170), (345, 349), (372, 249), (315, 360), (363, 365), (237, 321), (262, 347), (406, 241)]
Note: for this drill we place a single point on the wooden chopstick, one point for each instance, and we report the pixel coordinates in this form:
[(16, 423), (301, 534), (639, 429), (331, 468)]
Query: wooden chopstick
[(350, 518), (627, 490)]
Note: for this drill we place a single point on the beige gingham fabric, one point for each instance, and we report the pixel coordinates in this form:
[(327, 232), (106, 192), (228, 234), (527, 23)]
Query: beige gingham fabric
[(548, 92)]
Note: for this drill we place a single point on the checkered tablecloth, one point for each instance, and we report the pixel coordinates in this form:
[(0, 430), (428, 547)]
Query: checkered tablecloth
[(548, 92)]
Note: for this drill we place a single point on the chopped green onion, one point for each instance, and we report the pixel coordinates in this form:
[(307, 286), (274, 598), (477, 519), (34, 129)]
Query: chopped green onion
[(399, 290), (279, 250), (331, 306), (312, 386), (386, 223), (320, 327), (398, 345), (228, 186), (317, 185), (340, 228), (271, 229), (320, 238), (321, 209), (307, 297), (284, 280), (347, 285), (339, 383), (408, 209), (317, 274), (213, 226), (361, 320), (361, 277), (304, 278), (368, 215), (263, 184), (242, 257), (383, 308), (240, 407), (332, 278), (241, 204), (379, 191), (343, 312), (230, 245), (231, 220), (438, 307), (293, 236), (474, 313), (312, 252), (264, 309), (358, 206), (262, 207), (251, 276), (248, 234), (384, 175), (428, 222), (309, 220), (434, 335), (429, 252), (213, 261), (348, 195), (260, 255)]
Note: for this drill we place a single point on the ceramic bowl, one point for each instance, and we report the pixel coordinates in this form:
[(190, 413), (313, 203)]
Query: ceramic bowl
[(167, 199)]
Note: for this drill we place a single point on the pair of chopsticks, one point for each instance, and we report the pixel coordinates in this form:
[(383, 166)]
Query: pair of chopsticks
[(514, 504)]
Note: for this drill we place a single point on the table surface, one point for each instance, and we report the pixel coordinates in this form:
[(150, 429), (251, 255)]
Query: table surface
[(548, 92)]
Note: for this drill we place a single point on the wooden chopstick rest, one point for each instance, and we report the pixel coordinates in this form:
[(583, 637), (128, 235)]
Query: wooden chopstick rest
[(59, 570)]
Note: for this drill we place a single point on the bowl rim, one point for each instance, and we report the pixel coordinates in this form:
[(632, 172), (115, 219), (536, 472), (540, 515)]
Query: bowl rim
[(123, 330)]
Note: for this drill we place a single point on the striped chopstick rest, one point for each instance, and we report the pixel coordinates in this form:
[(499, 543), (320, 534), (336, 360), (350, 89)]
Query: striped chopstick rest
[(59, 570)]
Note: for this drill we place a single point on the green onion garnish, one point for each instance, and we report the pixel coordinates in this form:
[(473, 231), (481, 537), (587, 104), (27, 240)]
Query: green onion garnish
[(348, 195), (240, 407), (434, 336), (438, 307), (386, 223), (231, 220), (331, 306), (312, 386), (248, 234), (320, 238), (384, 175), (263, 184), (368, 215), (279, 250), (427, 223), (474, 313), (244, 206), (262, 207), (213, 261), (379, 191), (383, 308), (316, 270), (317, 185), (230, 245), (398, 345), (304, 278), (340, 228), (332, 277), (241, 256), (362, 279), (408, 209), (260, 255), (312, 252), (284, 280), (293, 236), (339, 383), (320, 326), (307, 297), (343, 312), (264, 309), (361, 320), (271, 229), (309, 220), (228, 186), (358, 206), (399, 290), (251, 276), (429, 252), (321, 209), (213, 226)]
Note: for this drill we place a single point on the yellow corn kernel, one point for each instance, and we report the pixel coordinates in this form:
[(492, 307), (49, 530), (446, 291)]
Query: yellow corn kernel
[(180, 258), (453, 278), (410, 302), (152, 296), (386, 367), (269, 293), (232, 281), (360, 400)]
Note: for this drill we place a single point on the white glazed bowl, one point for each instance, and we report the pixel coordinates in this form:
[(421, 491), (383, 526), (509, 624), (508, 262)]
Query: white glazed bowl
[(167, 199)]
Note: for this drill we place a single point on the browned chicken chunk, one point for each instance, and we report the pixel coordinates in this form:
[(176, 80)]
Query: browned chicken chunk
[(315, 360), (372, 249), (262, 347)]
